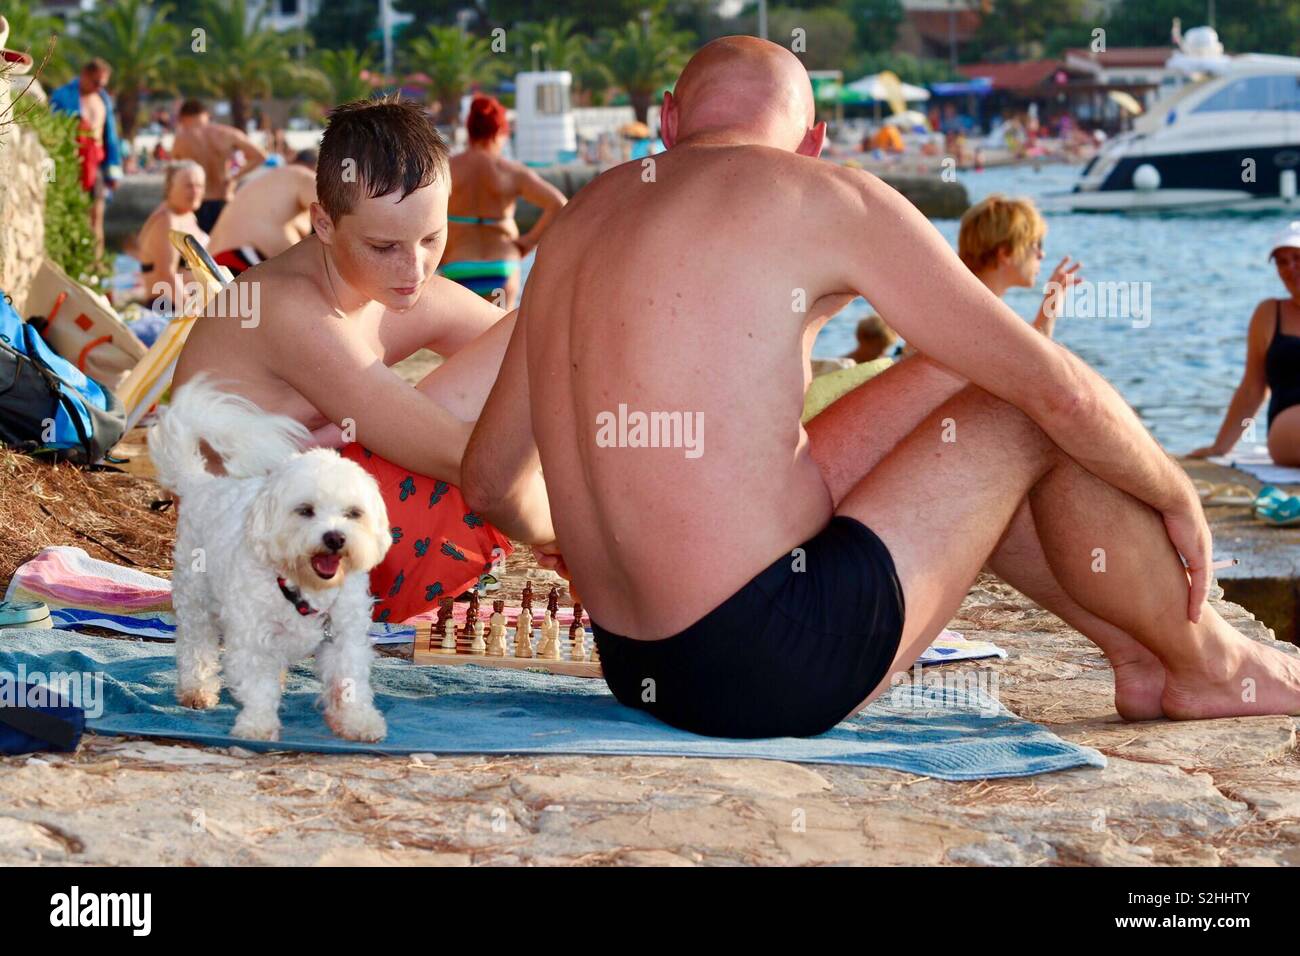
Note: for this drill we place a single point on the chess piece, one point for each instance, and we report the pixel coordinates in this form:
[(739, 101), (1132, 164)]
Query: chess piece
[(476, 645), (577, 636), (526, 602), (496, 641), (439, 625), (524, 630), (449, 635)]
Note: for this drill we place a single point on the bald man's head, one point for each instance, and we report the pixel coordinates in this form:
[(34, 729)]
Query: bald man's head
[(745, 89)]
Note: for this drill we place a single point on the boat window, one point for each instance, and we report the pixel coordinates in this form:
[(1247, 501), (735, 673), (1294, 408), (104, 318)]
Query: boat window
[(1256, 93), (552, 98)]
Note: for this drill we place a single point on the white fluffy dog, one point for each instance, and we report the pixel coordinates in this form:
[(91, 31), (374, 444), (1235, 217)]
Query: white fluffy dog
[(272, 560)]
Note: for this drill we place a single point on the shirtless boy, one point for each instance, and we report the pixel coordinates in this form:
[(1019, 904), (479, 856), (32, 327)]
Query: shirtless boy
[(270, 213), (213, 146), (769, 581), (331, 315)]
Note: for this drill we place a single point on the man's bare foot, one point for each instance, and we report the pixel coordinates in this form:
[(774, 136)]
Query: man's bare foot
[(1243, 678), (1140, 687)]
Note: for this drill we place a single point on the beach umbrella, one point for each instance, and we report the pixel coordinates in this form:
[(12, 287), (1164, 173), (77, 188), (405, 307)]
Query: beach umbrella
[(1126, 102), (885, 86)]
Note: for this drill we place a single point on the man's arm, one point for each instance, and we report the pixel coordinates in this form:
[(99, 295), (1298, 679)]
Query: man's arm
[(253, 154), (881, 246), (502, 469)]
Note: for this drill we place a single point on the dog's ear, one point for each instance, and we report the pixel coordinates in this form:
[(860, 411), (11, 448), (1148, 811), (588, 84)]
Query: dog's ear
[(260, 523), (377, 519)]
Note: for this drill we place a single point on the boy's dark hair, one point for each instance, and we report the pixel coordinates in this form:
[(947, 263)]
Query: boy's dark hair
[(193, 107), (96, 65), (374, 147)]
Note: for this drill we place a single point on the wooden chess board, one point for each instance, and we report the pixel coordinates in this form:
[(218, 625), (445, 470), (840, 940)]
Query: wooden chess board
[(435, 654)]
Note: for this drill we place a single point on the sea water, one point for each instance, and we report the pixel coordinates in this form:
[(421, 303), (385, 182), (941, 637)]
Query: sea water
[(1198, 278)]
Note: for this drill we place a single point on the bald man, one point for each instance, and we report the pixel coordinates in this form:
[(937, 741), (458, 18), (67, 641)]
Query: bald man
[(748, 577)]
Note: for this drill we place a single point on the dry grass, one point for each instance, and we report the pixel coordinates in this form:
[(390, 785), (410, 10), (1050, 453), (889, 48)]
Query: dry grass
[(107, 513)]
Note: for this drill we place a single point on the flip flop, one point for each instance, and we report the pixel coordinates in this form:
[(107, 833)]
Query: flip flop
[(1269, 497), (1280, 514), (1223, 494)]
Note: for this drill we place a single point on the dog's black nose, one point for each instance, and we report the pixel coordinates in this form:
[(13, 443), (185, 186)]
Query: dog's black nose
[(333, 540)]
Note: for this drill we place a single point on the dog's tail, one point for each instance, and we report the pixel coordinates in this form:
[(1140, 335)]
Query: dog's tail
[(248, 440)]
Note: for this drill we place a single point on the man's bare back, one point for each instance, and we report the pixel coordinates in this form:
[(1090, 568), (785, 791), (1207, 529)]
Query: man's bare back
[(625, 307), (269, 212)]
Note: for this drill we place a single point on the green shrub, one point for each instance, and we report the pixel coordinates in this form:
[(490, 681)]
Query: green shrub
[(68, 237)]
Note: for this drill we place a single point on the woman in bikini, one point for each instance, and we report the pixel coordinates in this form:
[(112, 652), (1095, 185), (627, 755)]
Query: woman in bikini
[(1272, 365), (484, 247)]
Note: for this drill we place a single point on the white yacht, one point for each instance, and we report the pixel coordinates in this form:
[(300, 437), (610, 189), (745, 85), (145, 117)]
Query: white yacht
[(1226, 137)]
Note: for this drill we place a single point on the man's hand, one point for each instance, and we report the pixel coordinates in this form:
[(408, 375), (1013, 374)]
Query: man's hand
[(1190, 535), (549, 557), (1209, 451)]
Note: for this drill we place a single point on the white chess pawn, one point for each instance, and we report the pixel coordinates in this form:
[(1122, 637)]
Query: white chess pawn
[(496, 642), (449, 635), (551, 628), (477, 644), (524, 636)]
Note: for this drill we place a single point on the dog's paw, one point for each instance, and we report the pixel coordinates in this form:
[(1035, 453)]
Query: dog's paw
[(357, 723), (256, 728), (198, 698)]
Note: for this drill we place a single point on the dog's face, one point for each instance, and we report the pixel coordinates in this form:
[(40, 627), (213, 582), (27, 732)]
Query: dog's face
[(318, 518)]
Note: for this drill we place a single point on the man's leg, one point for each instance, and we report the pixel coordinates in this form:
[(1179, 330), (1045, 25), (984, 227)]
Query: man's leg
[(853, 435), (942, 506)]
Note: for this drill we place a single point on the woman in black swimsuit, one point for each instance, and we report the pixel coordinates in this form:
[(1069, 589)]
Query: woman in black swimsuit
[(1272, 365)]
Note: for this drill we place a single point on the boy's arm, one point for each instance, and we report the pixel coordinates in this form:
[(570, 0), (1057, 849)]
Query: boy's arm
[(502, 469), (878, 243), (455, 316), (346, 383)]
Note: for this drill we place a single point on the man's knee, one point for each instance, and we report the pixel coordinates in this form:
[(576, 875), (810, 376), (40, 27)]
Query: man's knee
[(1021, 434)]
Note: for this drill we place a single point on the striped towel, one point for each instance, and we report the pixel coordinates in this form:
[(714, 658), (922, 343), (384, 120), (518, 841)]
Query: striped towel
[(82, 591)]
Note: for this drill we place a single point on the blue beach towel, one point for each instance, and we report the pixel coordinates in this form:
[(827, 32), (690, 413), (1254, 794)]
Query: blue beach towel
[(467, 709)]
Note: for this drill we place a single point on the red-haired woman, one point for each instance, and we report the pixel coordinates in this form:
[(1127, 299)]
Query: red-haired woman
[(483, 242)]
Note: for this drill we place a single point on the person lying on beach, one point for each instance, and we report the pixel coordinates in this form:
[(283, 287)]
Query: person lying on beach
[(313, 332), (268, 214), (1272, 365), (214, 146), (161, 276), (749, 577), (484, 247), (1001, 241)]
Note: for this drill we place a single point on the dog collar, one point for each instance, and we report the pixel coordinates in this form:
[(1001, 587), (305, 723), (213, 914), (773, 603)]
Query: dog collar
[(294, 597)]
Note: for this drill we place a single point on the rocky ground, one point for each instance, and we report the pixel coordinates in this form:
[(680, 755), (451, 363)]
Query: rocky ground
[(1211, 792)]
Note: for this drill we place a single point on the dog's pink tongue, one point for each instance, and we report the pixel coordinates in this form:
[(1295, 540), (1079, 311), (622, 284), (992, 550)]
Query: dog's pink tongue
[(325, 564)]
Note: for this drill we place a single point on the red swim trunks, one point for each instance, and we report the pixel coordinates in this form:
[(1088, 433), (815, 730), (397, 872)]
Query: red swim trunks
[(440, 547)]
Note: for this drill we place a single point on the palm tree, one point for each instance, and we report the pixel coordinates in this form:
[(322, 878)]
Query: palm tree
[(553, 45), (643, 57), (32, 32), (140, 45), (238, 57), (454, 62), (341, 71)]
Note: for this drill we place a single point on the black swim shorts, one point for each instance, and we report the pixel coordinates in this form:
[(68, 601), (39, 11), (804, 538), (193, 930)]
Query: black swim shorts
[(791, 654)]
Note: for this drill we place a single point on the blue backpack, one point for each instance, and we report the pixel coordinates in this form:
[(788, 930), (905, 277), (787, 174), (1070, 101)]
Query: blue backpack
[(48, 407)]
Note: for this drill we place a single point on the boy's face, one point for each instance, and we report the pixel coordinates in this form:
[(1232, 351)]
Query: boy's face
[(388, 250)]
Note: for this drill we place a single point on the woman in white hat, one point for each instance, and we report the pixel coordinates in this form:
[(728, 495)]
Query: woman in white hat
[(1272, 364)]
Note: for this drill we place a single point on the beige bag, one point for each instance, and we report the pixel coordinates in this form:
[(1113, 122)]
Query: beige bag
[(82, 326)]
